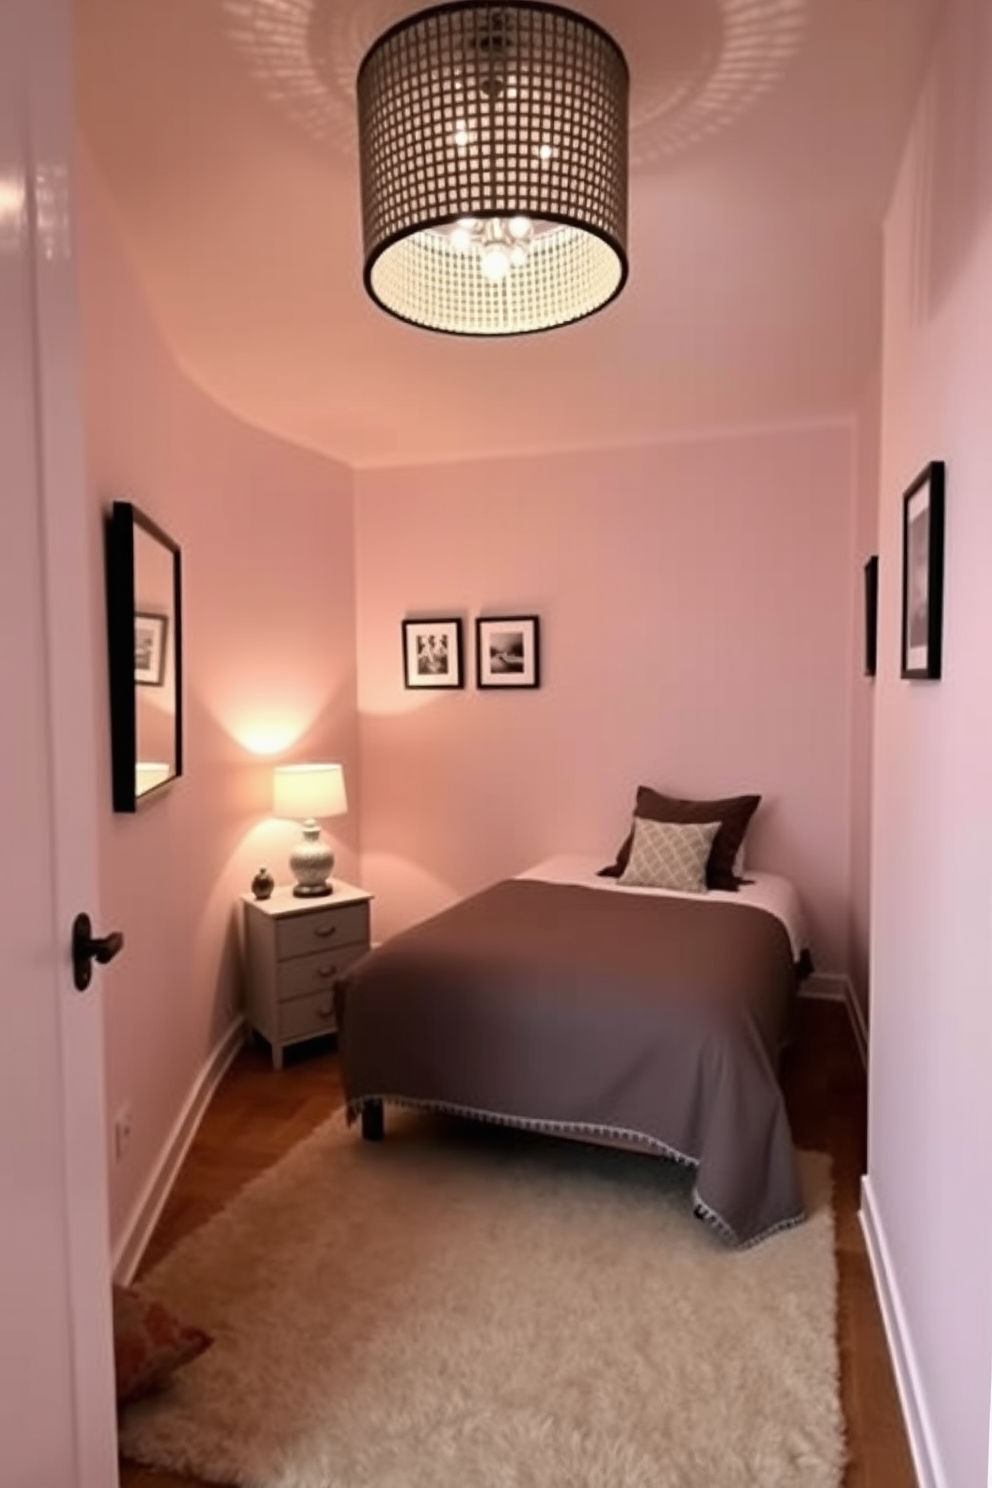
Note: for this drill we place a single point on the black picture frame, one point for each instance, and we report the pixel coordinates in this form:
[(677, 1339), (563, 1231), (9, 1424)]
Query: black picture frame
[(143, 582), (507, 651), (432, 653), (151, 637), (923, 516), (871, 615)]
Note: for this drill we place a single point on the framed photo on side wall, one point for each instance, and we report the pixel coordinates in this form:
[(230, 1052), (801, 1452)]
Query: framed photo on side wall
[(507, 651), (150, 633), (871, 615), (923, 574), (432, 653)]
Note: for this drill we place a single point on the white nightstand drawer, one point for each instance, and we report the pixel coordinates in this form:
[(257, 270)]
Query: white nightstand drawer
[(304, 975), (320, 929), (307, 1016)]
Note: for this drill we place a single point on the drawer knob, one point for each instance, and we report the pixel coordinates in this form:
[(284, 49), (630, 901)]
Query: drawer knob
[(325, 932), (325, 1013), (327, 971)]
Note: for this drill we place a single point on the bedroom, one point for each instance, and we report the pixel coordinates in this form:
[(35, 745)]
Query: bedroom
[(522, 534)]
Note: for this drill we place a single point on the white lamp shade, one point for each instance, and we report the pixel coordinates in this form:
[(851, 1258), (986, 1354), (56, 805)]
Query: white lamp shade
[(308, 791)]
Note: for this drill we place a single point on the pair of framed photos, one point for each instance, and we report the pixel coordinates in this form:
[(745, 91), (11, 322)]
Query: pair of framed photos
[(506, 652)]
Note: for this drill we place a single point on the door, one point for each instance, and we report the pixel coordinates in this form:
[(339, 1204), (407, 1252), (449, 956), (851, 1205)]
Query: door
[(57, 1422)]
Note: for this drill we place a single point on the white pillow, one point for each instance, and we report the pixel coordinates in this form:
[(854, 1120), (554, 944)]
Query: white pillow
[(669, 855)]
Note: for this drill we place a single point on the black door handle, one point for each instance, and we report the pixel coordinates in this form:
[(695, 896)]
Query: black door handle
[(86, 949)]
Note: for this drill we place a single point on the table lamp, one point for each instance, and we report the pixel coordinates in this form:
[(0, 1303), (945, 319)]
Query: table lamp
[(310, 791)]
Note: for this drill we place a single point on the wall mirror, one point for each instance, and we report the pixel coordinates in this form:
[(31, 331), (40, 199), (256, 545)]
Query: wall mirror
[(144, 636)]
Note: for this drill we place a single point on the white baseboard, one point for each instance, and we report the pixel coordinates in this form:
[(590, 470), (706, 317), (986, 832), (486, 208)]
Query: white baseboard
[(926, 1459), (858, 1022), (833, 986), (130, 1244)]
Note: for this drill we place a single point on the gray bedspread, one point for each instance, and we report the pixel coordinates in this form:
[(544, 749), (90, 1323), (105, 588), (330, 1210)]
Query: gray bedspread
[(650, 1020)]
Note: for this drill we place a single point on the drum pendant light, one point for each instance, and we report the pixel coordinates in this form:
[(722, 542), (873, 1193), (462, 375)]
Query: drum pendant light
[(493, 152)]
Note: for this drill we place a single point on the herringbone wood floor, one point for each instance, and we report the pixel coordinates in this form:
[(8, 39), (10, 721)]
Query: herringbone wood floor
[(257, 1115)]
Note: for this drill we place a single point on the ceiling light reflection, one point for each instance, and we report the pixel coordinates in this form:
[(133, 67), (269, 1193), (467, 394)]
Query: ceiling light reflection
[(696, 68), (12, 213)]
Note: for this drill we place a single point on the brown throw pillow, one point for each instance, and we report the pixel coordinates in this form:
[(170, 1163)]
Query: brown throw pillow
[(149, 1343), (733, 813)]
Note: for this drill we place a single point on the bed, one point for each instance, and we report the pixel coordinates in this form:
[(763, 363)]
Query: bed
[(572, 1004)]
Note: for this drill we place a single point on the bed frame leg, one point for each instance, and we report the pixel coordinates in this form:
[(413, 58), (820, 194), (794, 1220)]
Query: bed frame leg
[(373, 1123)]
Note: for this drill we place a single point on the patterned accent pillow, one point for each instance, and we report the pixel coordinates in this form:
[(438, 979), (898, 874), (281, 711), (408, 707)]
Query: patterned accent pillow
[(149, 1343), (669, 855)]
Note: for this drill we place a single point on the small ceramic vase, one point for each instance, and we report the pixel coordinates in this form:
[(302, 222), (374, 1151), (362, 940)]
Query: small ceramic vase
[(262, 884)]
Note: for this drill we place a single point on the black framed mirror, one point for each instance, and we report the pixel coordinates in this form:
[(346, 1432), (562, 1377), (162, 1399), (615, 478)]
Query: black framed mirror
[(144, 648)]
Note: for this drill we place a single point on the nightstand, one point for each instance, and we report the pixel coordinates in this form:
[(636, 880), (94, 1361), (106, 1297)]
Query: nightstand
[(295, 950)]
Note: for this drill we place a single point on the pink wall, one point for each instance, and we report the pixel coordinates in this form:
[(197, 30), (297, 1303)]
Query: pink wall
[(269, 655), (695, 603), (928, 1191), (863, 696)]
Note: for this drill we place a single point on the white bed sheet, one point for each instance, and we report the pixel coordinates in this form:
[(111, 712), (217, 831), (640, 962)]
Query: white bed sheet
[(769, 891)]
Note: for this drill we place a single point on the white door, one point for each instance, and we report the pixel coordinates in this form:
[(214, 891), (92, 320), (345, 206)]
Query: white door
[(57, 1422)]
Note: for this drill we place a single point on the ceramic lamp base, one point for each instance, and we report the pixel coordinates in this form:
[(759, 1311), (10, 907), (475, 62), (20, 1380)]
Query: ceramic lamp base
[(311, 863)]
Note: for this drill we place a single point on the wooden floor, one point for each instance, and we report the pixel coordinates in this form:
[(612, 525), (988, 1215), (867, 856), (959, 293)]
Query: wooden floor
[(257, 1115)]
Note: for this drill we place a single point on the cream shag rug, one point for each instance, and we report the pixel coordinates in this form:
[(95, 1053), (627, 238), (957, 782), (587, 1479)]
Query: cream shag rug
[(464, 1306)]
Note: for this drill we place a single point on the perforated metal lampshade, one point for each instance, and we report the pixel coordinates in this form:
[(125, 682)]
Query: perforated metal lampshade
[(493, 145)]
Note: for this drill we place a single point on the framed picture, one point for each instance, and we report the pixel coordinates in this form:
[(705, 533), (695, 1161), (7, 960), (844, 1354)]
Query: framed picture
[(506, 651), (432, 653), (150, 634), (923, 573), (871, 615)]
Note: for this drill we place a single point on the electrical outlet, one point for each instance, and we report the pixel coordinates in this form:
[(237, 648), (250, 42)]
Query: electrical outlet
[(122, 1131)]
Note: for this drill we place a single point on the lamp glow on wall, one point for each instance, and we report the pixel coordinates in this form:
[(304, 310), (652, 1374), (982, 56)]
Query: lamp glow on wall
[(309, 792), (494, 160)]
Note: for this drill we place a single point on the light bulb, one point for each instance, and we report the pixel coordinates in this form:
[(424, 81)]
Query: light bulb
[(461, 238), (518, 255), (519, 227), (495, 261), (545, 152), (462, 136)]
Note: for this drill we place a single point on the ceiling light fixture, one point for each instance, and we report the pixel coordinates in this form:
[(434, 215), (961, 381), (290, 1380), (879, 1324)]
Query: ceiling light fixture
[(493, 149)]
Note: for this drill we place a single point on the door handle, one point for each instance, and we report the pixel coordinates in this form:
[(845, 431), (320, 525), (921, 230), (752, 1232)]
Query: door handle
[(87, 948)]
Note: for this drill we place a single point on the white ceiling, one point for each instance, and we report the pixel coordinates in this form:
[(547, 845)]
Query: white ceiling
[(764, 139)]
